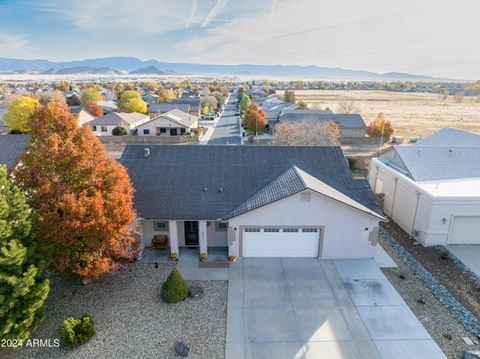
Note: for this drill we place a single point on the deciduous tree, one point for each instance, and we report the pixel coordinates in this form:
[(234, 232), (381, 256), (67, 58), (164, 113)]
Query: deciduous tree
[(166, 95), (131, 101), (347, 106), (93, 109), (82, 199), (245, 103), (53, 96), (91, 94), (210, 101), (19, 113), (254, 119), (307, 133), (289, 96), (380, 127), (23, 289)]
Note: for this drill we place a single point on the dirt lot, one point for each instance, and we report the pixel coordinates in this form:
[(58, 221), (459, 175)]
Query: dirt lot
[(410, 113)]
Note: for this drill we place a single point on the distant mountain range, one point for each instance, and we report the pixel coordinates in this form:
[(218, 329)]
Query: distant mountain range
[(132, 65)]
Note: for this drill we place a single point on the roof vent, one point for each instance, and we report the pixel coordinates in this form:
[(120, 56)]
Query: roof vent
[(419, 151), (450, 151), (220, 189), (205, 189), (146, 152)]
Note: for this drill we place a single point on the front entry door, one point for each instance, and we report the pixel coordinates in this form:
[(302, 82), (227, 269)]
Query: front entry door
[(191, 233)]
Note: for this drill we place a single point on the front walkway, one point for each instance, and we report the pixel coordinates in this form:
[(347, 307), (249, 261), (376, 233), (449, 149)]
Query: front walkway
[(310, 308), (190, 267), (468, 254)]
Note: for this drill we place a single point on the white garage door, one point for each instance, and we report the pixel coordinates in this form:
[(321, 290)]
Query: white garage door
[(281, 242), (465, 230)]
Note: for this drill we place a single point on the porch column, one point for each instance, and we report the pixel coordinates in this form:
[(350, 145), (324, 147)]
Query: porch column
[(202, 230), (173, 230)]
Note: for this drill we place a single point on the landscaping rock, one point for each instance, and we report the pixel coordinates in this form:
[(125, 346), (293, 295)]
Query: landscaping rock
[(196, 290), (182, 349), (467, 354)]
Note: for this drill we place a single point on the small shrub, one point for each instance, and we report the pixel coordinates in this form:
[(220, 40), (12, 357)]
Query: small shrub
[(421, 301), (203, 257), (175, 288), (402, 276), (119, 131), (77, 331), (447, 336), (444, 254)]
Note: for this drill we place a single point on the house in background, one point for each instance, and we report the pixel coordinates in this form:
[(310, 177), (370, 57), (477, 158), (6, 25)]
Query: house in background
[(193, 102), (159, 108), (103, 126), (172, 123), (350, 125), (257, 201), (108, 106), (83, 115), (432, 188)]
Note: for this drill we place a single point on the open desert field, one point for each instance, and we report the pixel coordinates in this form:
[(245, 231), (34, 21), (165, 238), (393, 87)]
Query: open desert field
[(410, 113)]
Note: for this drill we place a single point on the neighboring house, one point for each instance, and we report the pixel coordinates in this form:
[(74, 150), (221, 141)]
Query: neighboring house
[(103, 126), (259, 201), (350, 125), (159, 108), (150, 97), (108, 106), (83, 115), (432, 188), (11, 147), (194, 103), (3, 125), (171, 123)]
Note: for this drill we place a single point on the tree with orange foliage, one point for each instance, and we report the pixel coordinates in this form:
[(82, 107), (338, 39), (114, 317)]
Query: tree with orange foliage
[(380, 127), (82, 199), (254, 119), (93, 109)]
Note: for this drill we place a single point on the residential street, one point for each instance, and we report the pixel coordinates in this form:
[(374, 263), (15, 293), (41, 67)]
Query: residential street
[(227, 129)]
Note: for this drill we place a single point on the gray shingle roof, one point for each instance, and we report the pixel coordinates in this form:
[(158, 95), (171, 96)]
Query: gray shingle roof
[(11, 147), (450, 137), (165, 107), (209, 182), (118, 118), (439, 163), (342, 120)]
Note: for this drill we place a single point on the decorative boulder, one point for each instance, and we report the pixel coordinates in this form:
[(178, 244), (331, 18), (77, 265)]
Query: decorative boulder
[(196, 290), (182, 349)]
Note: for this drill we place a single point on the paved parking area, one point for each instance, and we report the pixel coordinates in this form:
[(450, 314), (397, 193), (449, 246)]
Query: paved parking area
[(310, 308)]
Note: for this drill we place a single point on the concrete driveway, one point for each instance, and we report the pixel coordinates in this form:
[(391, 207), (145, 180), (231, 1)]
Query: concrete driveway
[(310, 308)]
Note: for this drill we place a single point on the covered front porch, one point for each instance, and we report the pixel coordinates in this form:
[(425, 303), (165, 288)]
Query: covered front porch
[(184, 238)]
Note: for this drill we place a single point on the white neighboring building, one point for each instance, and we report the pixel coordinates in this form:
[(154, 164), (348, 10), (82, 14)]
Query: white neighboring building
[(172, 123), (432, 188), (83, 115), (3, 125), (103, 126)]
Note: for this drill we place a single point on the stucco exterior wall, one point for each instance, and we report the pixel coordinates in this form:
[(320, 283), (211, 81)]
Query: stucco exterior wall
[(430, 212), (344, 236)]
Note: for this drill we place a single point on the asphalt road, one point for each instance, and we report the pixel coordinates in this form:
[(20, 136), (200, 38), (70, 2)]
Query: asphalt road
[(227, 130)]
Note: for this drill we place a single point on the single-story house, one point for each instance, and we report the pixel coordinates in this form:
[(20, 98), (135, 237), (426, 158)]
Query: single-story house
[(172, 123), (432, 188), (11, 147), (194, 103), (83, 115), (159, 108), (350, 125), (103, 126), (150, 97), (3, 125), (259, 201)]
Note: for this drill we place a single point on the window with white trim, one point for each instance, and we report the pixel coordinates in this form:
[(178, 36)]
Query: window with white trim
[(221, 226), (160, 226)]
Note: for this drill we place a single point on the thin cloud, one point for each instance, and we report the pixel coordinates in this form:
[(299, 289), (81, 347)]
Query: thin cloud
[(219, 5), (193, 11), (9, 42)]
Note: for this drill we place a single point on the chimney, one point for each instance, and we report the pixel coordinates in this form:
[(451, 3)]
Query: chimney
[(146, 152)]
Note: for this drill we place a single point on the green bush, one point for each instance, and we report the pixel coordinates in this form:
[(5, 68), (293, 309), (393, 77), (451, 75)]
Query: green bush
[(119, 131), (77, 331), (175, 288)]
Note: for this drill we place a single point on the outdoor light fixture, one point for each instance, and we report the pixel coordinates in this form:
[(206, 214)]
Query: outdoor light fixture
[(444, 220), (366, 229)]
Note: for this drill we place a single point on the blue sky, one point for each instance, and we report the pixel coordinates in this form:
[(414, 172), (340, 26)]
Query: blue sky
[(432, 37)]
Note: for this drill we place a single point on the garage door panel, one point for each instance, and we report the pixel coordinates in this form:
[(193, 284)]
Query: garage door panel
[(281, 244), (465, 230)]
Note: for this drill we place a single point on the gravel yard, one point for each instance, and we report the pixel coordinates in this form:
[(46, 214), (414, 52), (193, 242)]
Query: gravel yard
[(446, 271), (130, 318), (444, 328)]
